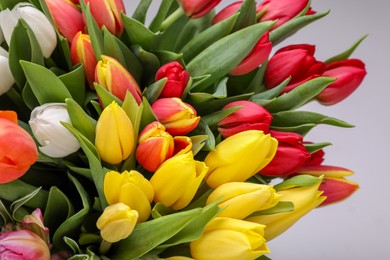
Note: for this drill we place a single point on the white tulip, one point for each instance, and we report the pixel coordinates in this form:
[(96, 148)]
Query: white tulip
[(6, 78), (55, 140), (1, 35), (38, 22)]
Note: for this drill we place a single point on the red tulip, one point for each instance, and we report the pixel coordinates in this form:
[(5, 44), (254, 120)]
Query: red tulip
[(177, 79), (197, 8), (227, 12)]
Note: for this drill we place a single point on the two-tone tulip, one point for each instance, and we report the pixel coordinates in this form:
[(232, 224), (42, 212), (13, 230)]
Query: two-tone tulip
[(176, 181), (54, 139), (114, 139), (239, 157), (108, 13), (349, 75), (6, 78), (81, 51), (197, 9), (178, 117), (15, 141), (67, 17), (34, 223), (130, 188), (117, 222), (36, 20), (290, 155), (295, 61), (250, 116), (240, 199), (177, 79), (229, 239), (114, 77)]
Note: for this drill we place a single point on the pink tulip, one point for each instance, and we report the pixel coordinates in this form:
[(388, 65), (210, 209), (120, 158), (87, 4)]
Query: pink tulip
[(197, 8), (34, 223), (177, 79)]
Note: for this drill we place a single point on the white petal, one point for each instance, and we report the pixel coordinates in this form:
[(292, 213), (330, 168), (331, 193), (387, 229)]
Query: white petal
[(7, 24), (6, 78)]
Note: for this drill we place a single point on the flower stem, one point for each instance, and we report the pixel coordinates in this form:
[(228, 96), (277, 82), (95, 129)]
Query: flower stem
[(104, 247), (171, 19)]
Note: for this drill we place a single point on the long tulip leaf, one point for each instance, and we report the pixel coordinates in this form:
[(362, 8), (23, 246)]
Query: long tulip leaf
[(141, 10), (75, 83), (303, 180), (345, 55)]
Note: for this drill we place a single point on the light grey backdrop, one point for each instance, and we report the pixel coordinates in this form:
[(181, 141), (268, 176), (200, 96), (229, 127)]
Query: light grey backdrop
[(359, 227)]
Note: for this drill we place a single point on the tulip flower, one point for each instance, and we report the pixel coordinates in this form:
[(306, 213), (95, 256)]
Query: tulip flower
[(114, 134), (176, 181), (34, 223), (239, 157), (178, 117), (183, 144), (282, 10), (240, 199), (54, 139), (36, 20), (290, 155), (117, 222), (226, 12), (349, 75), (130, 188), (116, 79), (250, 117), (108, 13), (230, 239), (67, 17), (295, 61), (81, 51), (177, 79), (23, 244), (198, 8), (316, 158), (14, 142), (304, 198), (155, 146), (6, 78)]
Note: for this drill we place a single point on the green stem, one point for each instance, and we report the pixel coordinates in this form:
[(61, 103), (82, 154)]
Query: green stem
[(171, 19), (104, 247)]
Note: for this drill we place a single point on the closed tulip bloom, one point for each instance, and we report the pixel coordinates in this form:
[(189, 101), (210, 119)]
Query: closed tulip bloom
[(14, 142), (349, 75), (67, 17), (197, 8), (250, 117), (116, 79), (226, 12), (176, 181), (117, 222), (130, 188), (239, 157), (295, 61), (6, 78), (81, 51), (108, 13), (54, 139), (34, 223), (114, 134), (230, 239), (177, 79), (36, 20), (240, 199), (290, 155), (23, 245), (183, 144), (178, 117)]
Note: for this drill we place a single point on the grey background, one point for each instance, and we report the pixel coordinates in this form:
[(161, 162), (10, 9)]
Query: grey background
[(357, 228)]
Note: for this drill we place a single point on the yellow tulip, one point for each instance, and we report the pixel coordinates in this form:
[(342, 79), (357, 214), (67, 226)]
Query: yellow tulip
[(117, 222), (240, 199), (130, 188), (176, 181), (114, 134), (230, 239), (239, 157)]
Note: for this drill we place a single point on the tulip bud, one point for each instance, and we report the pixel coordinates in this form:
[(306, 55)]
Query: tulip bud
[(36, 20), (183, 144), (116, 79), (108, 13), (6, 78), (176, 188), (228, 238), (67, 17), (295, 61), (239, 157), (130, 188), (23, 244), (226, 12), (114, 134), (55, 140), (197, 9), (81, 51), (250, 117), (117, 222), (14, 142), (290, 155), (316, 158), (177, 79), (349, 75), (34, 223), (240, 199), (179, 118)]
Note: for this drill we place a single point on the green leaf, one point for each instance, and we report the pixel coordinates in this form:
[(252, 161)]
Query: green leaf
[(162, 12), (345, 55), (299, 129), (247, 16), (20, 202), (105, 96), (302, 180), (5, 214), (148, 60), (29, 98), (137, 33), (168, 56), (203, 129), (86, 172), (311, 148), (282, 206), (132, 64), (160, 210), (148, 115), (4, 4), (85, 124), (271, 93), (141, 10), (198, 141), (75, 83), (72, 245), (153, 91)]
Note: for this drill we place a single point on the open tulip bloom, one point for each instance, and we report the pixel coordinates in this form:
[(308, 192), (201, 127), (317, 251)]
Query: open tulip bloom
[(181, 138)]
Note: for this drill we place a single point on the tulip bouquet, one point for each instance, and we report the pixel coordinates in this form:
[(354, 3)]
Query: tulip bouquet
[(178, 138)]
